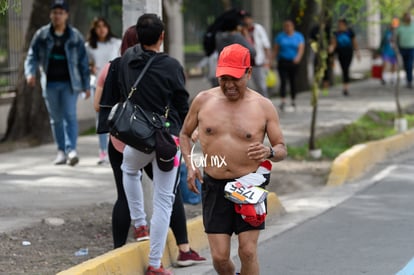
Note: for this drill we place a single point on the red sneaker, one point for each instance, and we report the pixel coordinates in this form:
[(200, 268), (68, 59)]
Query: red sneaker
[(189, 258), (141, 233), (158, 271)]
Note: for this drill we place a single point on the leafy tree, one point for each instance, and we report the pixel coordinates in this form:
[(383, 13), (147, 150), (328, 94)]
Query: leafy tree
[(350, 9)]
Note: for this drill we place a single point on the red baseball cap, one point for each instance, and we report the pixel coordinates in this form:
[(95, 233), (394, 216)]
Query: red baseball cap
[(233, 60)]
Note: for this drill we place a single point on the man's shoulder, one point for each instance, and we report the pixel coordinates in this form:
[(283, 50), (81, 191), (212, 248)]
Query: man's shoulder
[(43, 31), (205, 95)]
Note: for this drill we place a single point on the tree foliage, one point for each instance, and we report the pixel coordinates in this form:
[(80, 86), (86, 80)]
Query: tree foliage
[(5, 5)]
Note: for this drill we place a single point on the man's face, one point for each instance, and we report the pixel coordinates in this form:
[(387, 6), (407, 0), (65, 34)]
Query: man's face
[(234, 88), (58, 17), (248, 21)]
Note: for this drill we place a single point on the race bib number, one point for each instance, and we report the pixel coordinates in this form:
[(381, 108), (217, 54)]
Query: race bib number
[(241, 194)]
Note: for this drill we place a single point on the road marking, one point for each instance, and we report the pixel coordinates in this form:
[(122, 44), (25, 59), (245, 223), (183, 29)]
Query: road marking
[(408, 269), (381, 175)]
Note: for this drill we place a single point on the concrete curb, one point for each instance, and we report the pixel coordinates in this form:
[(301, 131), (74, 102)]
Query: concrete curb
[(132, 258), (355, 161)]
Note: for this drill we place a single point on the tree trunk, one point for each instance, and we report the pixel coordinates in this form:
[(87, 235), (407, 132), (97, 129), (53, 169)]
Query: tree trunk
[(304, 18), (28, 120), (175, 25)]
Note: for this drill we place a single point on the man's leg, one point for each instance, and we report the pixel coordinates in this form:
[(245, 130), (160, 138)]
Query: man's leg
[(52, 100), (69, 106), (220, 253), (410, 58), (248, 252)]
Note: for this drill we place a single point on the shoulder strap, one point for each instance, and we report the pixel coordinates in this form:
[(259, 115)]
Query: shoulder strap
[(134, 87)]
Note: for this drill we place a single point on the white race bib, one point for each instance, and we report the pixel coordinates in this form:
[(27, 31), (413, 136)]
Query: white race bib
[(242, 194)]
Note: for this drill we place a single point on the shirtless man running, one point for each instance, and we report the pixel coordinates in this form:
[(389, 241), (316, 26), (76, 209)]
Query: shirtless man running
[(232, 121)]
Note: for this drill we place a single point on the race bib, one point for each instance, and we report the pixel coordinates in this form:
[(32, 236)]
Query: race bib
[(242, 194)]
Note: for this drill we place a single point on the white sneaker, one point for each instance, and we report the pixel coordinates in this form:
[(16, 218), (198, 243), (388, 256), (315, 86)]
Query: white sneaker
[(60, 158), (73, 158)]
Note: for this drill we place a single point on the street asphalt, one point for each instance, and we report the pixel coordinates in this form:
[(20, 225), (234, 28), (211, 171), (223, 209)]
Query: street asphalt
[(363, 227)]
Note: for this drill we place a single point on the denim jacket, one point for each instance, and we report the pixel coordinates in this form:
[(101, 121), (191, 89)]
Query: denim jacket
[(40, 49)]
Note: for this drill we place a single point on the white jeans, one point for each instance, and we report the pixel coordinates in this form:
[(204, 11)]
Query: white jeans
[(259, 79), (165, 184)]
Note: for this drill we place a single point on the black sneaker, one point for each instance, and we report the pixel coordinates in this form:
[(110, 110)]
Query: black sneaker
[(345, 93)]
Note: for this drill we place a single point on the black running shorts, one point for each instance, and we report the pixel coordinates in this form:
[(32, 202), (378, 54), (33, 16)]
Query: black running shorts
[(219, 215)]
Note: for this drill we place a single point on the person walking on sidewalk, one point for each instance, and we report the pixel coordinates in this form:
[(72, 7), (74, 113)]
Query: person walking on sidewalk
[(388, 53), (102, 46), (107, 95), (288, 49), (230, 114), (405, 42), (258, 37), (58, 49), (162, 85), (344, 44)]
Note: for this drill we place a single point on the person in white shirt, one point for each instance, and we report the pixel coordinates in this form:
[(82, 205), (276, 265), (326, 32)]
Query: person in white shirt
[(102, 46), (257, 35)]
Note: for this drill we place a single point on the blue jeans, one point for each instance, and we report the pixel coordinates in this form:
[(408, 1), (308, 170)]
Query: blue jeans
[(407, 55), (103, 142), (61, 103)]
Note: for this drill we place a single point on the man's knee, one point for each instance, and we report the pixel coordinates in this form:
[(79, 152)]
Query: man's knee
[(247, 252), (222, 264)]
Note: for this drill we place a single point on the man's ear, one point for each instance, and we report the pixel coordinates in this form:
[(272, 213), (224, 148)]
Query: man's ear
[(249, 72), (162, 35)]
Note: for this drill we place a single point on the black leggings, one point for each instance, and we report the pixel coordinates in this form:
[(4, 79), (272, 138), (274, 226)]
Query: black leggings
[(287, 71), (345, 56), (121, 219)]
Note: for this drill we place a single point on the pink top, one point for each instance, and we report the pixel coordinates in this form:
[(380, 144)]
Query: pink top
[(118, 145), (101, 78)]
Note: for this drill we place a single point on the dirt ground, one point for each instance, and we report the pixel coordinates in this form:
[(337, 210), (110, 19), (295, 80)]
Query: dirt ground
[(52, 248)]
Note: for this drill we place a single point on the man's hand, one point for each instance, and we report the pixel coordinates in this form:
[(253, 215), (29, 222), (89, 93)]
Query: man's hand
[(87, 94), (31, 80), (258, 151), (192, 175)]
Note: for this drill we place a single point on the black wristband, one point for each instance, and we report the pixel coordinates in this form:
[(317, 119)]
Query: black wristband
[(272, 153)]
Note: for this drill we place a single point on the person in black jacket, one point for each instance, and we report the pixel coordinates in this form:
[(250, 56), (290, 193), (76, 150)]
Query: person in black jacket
[(162, 87)]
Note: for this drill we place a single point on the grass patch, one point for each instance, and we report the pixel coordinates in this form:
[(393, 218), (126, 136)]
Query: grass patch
[(193, 48), (88, 132), (374, 125)]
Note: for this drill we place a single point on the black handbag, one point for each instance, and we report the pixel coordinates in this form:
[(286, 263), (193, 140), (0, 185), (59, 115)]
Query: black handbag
[(133, 125)]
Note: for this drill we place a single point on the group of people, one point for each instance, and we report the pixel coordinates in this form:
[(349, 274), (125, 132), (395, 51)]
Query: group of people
[(238, 26), (229, 113), (398, 40)]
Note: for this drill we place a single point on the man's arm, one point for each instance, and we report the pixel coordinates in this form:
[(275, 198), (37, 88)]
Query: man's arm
[(31, 62), (274, 133), (275, 53), (83, 65), (189, 126)]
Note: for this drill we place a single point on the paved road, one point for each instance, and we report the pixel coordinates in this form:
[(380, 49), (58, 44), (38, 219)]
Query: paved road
[(363, 227), (371, 233)]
